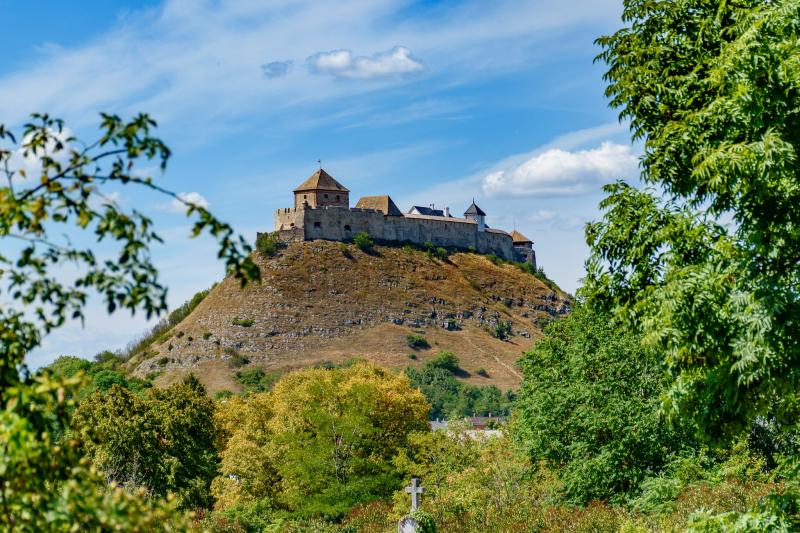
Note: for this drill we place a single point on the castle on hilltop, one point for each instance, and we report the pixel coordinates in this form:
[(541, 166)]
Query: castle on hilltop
[(322, 211)]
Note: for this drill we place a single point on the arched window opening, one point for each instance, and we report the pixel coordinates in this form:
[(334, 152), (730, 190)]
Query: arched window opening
[(317, 224), (347, 227)]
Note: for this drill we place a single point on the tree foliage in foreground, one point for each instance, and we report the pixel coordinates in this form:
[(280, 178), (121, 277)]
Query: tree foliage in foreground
[(709, 267), (47, 485), (52, 184), (588, 406), (162, 441), (320, 442)]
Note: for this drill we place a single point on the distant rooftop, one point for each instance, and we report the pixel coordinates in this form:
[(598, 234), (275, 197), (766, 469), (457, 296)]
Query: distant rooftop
[(473, 209), (321, 181), (427, 211), (382, 203), (519, 238)]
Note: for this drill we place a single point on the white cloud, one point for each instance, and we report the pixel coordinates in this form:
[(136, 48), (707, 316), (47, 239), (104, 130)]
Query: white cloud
[(177, 205), (341, 63), (557, 172)]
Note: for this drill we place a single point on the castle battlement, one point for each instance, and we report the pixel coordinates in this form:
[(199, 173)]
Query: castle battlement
[(322, 211)]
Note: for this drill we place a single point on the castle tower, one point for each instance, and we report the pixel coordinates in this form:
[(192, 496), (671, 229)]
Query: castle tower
[(475, 213), (319, 190)]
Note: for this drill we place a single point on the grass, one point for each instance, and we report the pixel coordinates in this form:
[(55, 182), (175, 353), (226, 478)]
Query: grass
[(243, 322)]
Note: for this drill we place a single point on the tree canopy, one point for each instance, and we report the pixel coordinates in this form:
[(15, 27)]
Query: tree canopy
[(65, 187), (706, 261), (588, 407), (321, 441)]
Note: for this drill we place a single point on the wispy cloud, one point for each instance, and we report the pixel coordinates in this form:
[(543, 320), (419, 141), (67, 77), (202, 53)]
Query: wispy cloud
[(557, 172), (343, 64), (173, 60)]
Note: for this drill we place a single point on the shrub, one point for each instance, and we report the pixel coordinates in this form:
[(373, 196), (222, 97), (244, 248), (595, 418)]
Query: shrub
[(256, 380), (206, 335), (435, 252), (412, 356), (163, 361), (243, 322), (268, 245), (230, 351), (445, 360), (363, 241), (179, 334), (482, 372), (417, 341), (501, 330), (238, 361), (223, 394)]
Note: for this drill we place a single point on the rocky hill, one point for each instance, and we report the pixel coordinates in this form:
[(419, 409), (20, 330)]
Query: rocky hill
[(327, 301)]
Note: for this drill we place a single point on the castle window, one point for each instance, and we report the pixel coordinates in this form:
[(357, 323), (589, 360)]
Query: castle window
[(326, 196), (316, 224), (347, 227), (291, 225), (337, 197), (305, 196)]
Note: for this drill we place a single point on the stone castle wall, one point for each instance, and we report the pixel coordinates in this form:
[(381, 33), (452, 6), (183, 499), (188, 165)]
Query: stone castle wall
[(341, 224)]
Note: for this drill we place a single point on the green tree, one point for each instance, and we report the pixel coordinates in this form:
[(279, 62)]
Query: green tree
[(588, 407), (162, 442), (707, 262), (320, 442), (449, 397), (44, 486)]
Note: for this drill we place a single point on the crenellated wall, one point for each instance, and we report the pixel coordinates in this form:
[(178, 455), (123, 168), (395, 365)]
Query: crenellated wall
[(341, 224)]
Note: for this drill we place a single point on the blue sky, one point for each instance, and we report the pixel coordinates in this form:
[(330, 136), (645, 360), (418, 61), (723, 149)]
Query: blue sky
[(431, 102)]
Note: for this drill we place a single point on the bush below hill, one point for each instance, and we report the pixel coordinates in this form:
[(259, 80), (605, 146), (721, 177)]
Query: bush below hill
[(451, 398)]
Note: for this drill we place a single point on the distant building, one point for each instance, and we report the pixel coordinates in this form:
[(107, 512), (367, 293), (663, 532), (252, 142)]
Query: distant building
[(320, 190), (524, 247), (429, 211), (322, 211)]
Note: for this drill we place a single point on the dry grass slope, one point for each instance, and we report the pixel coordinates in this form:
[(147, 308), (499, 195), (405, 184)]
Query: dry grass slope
[(325, 301)]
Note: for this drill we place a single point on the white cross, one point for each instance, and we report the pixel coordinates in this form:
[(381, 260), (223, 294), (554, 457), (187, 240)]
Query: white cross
[(415, 490)]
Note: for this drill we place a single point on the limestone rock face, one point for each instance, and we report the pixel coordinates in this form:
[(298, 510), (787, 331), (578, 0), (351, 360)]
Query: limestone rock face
[(326, 301)]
